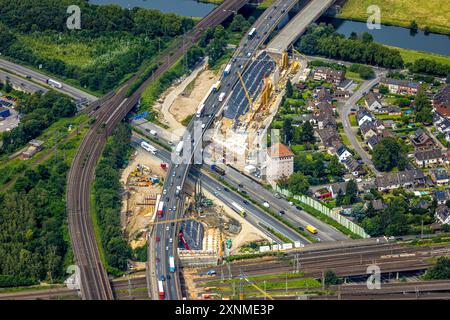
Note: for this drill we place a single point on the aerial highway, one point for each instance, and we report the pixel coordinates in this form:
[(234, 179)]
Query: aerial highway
[(30, 74), (23, 84), (94, 279), (213, 106), (257, 217)]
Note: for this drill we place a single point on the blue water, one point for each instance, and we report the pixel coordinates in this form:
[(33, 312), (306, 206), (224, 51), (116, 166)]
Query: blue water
[(186, 8), (396, 36)]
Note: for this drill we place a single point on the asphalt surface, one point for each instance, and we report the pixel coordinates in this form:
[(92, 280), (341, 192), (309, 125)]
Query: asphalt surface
[(293, 30), (177, 174), (94, 280), (36, 76), (255, 216), (344, 112), (24, 84)]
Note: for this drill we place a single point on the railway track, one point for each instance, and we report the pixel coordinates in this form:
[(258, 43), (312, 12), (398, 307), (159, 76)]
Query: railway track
[(95, 284)]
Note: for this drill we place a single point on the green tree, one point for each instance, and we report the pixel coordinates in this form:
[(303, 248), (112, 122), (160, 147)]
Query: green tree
[(351, 193), (289, 89), (288, 131), (330, 278), (307, 133), (414, 26), (440, 271), (298, 183), (388, 154)]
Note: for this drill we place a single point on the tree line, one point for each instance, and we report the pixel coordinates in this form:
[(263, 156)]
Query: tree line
[(108, 201), (323, 40), (38, 112)]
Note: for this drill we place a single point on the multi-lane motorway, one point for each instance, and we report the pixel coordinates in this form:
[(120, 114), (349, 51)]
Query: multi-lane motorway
[(28, 73), (166, 233), (94, 279)]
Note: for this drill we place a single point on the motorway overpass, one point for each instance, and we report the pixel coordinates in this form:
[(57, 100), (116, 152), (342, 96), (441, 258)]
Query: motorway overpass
[(177, 173), (297, 26), (94, 280)]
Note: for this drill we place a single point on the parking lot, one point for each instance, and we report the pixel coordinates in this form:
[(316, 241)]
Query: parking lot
[(12, 121)]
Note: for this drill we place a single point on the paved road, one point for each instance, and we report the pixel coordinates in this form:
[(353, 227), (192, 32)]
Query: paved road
[(24, 84), (178, 174), (254, 214), (42, 78), (298, 24), (344, 112)]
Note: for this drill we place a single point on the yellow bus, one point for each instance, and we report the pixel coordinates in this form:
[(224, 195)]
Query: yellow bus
[(311, 229)]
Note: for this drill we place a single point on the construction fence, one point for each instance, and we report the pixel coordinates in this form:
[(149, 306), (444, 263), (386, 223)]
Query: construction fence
[(353, 227)]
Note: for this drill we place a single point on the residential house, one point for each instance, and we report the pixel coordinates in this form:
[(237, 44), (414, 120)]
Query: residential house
[(421, 140), (377, 205), (439, 176), (336, 188), (373, 141), (372, 102), (441, 196), (400, 86), (368, 130), (330, 75), (344, 85), (428, 157), (441, 101), (364, 115), (325, 119), (401, 179), (324, 95), (353, 166), (329, 137), (341, 94), (342, 153), (443, 214)]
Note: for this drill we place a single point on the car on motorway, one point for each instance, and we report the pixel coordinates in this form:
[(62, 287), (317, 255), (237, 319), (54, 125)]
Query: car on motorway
[(240, 185), (277, 195), (174, 174), (245, 202), (266, 204), (298, 208), (162, 278), (167, 248), (174, 208), (291, 203), (168, 277), (243, 191), (281, 212), (173, 224), (164, 191), (158, 238), (226, 189), (218, 189), (167, 228)]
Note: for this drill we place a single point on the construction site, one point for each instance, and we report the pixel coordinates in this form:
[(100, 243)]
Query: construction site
[(240, 134), (209, 229)]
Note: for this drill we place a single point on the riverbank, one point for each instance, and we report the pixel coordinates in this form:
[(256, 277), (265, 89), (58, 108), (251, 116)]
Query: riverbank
[(413, 55), (263, 5), (432, 13)]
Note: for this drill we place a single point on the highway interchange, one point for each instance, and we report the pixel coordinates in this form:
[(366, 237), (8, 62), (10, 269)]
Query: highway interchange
[(95, 283), (177, 173)]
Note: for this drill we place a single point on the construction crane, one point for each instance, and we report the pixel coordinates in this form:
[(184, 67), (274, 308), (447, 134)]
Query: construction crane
[(247, 94), (169, 221), (300, 54), (241, 295)]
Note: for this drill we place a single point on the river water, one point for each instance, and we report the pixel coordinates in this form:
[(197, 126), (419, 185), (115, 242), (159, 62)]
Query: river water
[(396, 36), (188, 8)]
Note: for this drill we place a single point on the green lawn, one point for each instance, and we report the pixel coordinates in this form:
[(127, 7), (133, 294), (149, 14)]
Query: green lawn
[(413, 55), (75, 53), (432, 13)]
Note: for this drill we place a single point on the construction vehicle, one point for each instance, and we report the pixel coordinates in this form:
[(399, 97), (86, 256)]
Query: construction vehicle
[(217, 169), (164, 166)]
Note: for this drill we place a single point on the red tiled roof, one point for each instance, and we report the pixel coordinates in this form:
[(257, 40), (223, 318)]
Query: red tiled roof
[(279, 150)]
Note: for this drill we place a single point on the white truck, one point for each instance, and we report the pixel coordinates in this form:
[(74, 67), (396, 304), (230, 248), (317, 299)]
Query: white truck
[(179, 147), (221, 96), (148, 147)]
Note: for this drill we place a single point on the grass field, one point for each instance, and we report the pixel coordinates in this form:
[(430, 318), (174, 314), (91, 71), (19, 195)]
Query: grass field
[(412, 55), (432, 13), (76, 53)]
